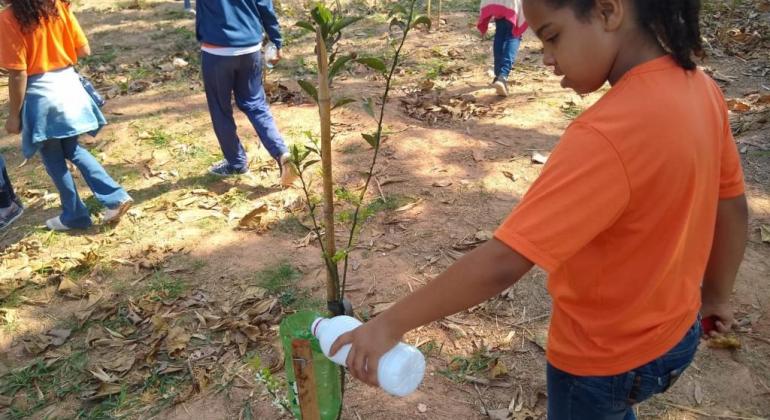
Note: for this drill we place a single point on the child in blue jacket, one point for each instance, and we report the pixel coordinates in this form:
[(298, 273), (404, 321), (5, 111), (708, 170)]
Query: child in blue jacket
[(231, 34)]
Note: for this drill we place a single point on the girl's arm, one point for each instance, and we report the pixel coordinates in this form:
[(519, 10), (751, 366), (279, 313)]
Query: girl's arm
[(84, 51), (474, 278), (726, 256), (17, 88)]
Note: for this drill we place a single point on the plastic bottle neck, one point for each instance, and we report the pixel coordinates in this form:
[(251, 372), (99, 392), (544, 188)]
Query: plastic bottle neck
[(314, 326)]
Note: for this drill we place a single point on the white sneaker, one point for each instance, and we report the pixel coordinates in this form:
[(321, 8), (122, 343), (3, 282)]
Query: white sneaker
[(55, 224), (501, 88), (288, 171), (114, 215)]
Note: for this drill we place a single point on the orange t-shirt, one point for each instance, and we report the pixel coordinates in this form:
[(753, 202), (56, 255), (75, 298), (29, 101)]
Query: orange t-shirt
[(52, 45), (623, 215)]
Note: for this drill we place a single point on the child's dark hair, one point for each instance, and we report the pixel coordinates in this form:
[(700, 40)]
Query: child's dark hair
[(31, 13), (674, 22)]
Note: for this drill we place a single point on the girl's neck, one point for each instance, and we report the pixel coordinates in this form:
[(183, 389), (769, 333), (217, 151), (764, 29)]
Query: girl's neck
[(636, 49)]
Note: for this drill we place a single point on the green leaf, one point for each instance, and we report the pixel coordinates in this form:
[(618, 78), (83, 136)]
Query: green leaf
[(396, 10), (373, 63), (309, 89), (368, 105), (344, 23), (305, 25), (372, 139), (339, 256), (309, 163), (343, 102), (323, 17), (338, 65), (421, 20)]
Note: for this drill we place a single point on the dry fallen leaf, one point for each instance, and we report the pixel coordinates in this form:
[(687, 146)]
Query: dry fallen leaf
[(497, 369), (737, 105), (764, 233), (253, 219), (103, 376), (698, 393), (729, 342), (442, 183), (176, 340)]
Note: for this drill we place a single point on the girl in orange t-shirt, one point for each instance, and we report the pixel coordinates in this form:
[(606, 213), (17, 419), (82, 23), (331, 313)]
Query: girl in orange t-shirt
[(639, 216), (40, 42)]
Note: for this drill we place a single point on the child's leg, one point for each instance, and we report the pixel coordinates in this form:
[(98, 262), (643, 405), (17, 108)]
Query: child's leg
[(613, 397), (7, 196), (497, 45), (105, 189), (251, 99), (187, 4), (74, 211), (219, 81), (509, 45)]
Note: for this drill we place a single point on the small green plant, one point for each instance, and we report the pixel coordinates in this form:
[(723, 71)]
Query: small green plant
[(328, 27), (272, 385), (163, 287), (462, 366)]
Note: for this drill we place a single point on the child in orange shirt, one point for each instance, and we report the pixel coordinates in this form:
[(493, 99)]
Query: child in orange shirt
[(40, 41), (639, 216)]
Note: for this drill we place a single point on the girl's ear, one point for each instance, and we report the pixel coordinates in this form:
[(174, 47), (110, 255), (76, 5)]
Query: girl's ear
[(611, 13)]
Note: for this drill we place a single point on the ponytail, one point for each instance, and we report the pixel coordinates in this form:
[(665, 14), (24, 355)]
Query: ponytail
[(675, 23)]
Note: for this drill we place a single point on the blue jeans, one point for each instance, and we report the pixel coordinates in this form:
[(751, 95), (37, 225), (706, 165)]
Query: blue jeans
[(7, 195), (241, 75), (505, 48), (573, 397), (187, 4), (55, 153)]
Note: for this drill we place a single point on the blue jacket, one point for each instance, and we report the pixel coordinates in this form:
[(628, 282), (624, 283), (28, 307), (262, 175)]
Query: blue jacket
[(236, 23)]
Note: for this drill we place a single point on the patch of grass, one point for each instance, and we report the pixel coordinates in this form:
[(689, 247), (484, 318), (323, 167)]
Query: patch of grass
[(93, 205), (107, 56), (164, 389), (109, 408), (571, 110), (389, 204), (159, 137), (431, 348), (281, 281), (278, 278), (163, 286), (7, 149), (460, 366), (13, 300), (41, 382)]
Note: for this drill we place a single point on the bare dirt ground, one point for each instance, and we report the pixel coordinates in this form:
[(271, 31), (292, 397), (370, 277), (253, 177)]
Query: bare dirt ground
[(161, 316)]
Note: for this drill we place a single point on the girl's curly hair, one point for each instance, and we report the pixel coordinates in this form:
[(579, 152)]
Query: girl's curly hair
[(31, 13)]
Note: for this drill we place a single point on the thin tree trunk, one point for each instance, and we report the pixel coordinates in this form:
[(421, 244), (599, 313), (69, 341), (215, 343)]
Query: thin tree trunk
[(324, 111), (438, 19), (428, 11)]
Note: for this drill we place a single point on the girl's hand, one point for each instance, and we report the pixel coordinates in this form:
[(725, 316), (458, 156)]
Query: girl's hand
[(368, 343), (722, 315), (13, 125), (277, 57)]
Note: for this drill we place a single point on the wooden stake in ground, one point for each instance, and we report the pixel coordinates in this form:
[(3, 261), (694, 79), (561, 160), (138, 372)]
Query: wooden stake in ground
[(427, 12), (324, 111), (302, 360)]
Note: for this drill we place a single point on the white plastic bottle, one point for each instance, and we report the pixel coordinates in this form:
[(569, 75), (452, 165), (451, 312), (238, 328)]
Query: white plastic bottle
[(400, 370), (271, 52)]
